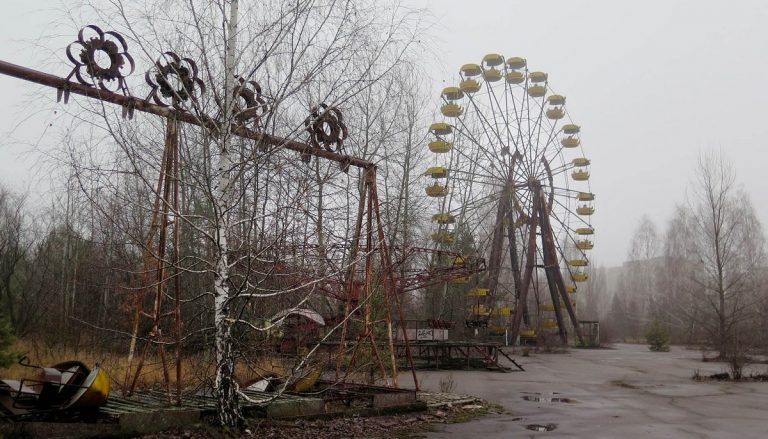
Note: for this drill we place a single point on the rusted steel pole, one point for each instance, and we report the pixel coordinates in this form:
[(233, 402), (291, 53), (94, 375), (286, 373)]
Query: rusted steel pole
[(66, 86)]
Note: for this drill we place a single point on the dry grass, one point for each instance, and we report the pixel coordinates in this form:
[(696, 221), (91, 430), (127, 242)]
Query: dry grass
[(197, 370), (194, 369)]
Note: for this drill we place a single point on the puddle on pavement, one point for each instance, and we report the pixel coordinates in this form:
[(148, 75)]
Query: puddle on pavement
[(536, 398), (541, 427)]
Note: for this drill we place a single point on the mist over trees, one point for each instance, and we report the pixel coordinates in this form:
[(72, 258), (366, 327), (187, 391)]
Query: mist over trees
[(704, 277)]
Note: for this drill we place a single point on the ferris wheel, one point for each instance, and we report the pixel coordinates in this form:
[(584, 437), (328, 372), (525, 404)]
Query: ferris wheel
[(510, 182)]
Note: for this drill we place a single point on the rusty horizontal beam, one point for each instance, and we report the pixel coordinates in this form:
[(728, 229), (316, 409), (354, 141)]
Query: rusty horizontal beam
[(60, 83)]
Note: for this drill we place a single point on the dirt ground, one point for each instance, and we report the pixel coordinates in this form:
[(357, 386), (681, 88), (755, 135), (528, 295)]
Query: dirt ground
[(626, 392), (441, 409)]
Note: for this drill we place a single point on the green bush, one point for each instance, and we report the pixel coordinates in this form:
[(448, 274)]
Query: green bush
[(657, 337)]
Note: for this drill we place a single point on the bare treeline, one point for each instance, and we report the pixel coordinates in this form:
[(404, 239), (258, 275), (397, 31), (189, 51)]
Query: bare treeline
[(704, 276)]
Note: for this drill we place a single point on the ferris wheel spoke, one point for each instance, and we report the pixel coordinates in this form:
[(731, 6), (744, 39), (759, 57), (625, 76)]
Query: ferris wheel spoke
[(503, 112), (485, 124)]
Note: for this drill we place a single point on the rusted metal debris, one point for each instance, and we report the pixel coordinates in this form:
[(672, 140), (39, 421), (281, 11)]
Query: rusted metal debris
[(63, 386)]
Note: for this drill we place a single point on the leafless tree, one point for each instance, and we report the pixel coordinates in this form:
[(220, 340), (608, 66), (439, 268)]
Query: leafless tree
[(728, 247)]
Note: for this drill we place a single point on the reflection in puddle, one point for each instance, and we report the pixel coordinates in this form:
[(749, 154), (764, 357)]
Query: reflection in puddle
[(541, 427), (547, 399)]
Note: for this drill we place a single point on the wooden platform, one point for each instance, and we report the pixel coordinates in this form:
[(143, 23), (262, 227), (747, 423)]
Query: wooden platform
[(457, 354)]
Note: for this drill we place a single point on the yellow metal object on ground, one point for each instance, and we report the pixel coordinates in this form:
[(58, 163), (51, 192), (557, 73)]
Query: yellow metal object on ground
[(571, 128), (469, 86), (536, 91), (306, 382), (440, 146), (94, 392), (516, 62), (570, 142), (580, 175)]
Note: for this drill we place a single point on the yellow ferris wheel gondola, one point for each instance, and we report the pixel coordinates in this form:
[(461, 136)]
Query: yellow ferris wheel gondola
[(580, 276), (578, 262), (570, 142), (585, 196), (436, 190), (437, 172), (451, 110), (585, 210), (443, 218), (581, 161), (580, 175), (440, 146), (444, 237), (479, 292), (469, 86), (440, 129), (515, 77)]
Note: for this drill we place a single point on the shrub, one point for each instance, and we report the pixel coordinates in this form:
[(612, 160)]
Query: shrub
[(657, 337)]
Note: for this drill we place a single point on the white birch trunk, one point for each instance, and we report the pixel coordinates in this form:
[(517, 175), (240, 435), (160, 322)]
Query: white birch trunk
[(225, 387)]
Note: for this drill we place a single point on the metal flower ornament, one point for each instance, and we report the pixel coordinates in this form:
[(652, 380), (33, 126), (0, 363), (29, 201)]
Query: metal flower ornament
[(250, 105), (100, 59), (174, 81), (326, 128)]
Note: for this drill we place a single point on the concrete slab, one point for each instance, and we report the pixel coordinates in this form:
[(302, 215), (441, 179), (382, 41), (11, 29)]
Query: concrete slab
[(627, 392)]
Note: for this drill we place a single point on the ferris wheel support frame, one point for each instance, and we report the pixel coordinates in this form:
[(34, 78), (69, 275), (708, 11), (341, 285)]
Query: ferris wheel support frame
[(554, 274)]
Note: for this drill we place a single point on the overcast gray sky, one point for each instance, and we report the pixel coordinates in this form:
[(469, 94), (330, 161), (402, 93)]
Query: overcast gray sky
[(652, 84)]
